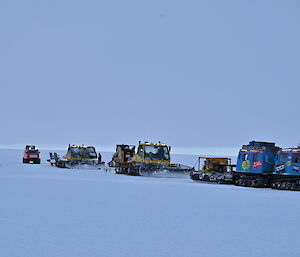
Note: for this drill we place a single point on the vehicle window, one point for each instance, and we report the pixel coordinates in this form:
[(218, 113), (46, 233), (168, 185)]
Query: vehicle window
[(140, 151), (255, 157), (153, 152), (75, 152), (32, 151), (245, 157), (91, 152), (84, 153), (283, 157), (296, 158), (266, 158)]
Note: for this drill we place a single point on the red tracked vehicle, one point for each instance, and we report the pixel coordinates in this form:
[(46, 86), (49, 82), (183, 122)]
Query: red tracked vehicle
[(31, 155)]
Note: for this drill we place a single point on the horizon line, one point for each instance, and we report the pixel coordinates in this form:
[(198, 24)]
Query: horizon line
[(185, 150)]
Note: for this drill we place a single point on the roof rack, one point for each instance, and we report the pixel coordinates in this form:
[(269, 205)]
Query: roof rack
[(261, 146)]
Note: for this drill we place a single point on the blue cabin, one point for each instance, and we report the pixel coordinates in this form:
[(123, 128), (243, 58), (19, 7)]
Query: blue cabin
[(288, 162), (257, 158)]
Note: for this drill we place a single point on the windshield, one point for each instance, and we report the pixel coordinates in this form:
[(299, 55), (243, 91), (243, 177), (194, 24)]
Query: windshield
[(75, 152), (153, 152), (88, 152), (92, 152), (32, 151)]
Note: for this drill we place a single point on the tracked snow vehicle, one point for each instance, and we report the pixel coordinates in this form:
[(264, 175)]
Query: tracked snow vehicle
[(217, 170), (31, 155), (286, 174), (122, 156), (150, 159), (78, 157), (255, 164)]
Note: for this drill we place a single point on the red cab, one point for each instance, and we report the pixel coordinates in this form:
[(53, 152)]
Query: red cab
[(31, 155)]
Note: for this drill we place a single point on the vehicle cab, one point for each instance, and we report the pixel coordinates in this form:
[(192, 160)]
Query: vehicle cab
[(155, 153), (257, 158)]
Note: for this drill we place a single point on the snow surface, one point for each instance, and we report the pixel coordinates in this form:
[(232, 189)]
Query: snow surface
[(46, 211)]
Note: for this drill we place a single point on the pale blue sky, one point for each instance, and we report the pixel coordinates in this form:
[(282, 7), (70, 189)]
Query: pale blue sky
[(188, 73)]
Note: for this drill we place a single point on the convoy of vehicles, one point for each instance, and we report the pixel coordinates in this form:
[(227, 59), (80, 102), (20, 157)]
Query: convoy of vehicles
[(259, 164), (263, 164)]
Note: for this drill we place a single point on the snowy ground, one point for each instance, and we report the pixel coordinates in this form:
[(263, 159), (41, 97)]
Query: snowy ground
[(46, 211)]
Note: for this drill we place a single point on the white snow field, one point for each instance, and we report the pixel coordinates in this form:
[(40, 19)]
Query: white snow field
[(51, 212)]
